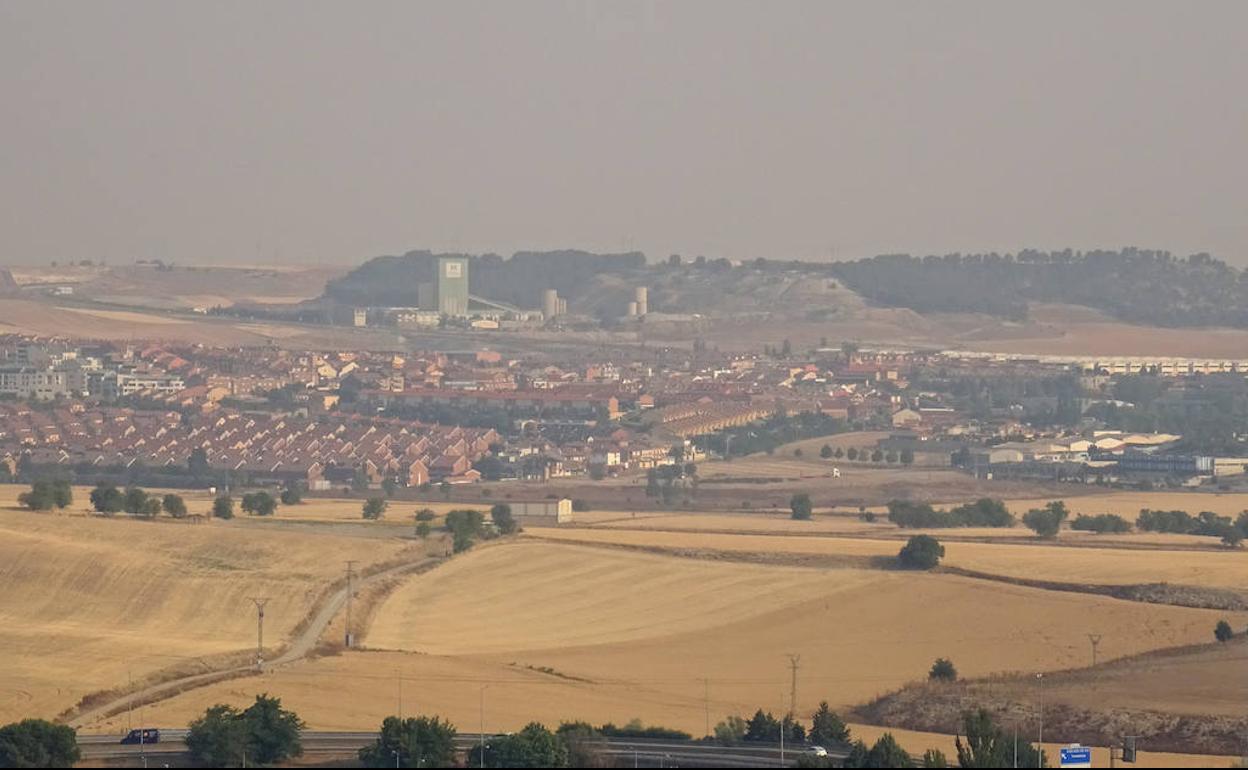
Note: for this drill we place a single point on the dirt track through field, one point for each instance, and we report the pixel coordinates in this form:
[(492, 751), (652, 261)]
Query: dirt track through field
[(296, 649)]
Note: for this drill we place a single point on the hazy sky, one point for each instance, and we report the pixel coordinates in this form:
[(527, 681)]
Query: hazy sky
[(315, 132)]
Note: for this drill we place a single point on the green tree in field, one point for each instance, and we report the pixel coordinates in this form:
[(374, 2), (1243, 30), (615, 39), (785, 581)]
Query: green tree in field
[(374, 508), (907, 458), (534, 746), (259, 503), (943, 670), (885, 753), (825, 451), (107, 498), (987, 745), (223, 507), (800, 506), (504, 522), (827, 727), (921, 552), (413, 742), (218, 738), (423, 530), (272, 731), (174, 505), (37, 743), (135, 500), (1046, 521), (585, 744), (1223, 632), (876, 457), (292, 494), (46, 494), (62, 493), (935, 758), (465, 526), (731, 731), (852, 454)]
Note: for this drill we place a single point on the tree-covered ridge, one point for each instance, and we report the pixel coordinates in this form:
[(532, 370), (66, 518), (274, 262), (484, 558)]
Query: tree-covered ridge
[(1136, 285), (520, 280)]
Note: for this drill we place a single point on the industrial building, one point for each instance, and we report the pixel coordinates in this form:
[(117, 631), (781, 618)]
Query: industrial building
[(543, 511), (451, 286)]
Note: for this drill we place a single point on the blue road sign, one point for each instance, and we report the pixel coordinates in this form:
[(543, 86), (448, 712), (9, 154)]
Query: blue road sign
[(1075, 756)]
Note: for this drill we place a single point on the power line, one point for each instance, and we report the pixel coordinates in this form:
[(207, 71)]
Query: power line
[(350, 574), (1095, 639), (260, 602), (794, 660)]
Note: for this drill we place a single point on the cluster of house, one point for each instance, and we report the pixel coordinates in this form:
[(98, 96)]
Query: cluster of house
[(320, 451)]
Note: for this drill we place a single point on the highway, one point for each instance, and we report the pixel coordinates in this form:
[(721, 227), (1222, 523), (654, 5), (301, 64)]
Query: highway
[(326, 746)]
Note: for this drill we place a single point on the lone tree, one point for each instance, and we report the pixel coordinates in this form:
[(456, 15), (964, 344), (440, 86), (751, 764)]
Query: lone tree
[(1046, 521), (223, 507), (987, 745), (174, 505), (504, 522), (943, 670), (374, 508), (464, 525), (413, 742), (801, 506), (827, 727), (921, 552), (262, 734), (292, 495), (37, 743), (1222, 631)]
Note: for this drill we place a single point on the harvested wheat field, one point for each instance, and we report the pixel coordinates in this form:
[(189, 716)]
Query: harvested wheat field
[(1128, 504), (660, 622), (1039, 561), (87, 602), (562, 632), (367, 687)]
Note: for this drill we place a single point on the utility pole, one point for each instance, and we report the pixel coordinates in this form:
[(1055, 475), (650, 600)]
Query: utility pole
[(350, 574), (706, 703), (1040, 736), (483, 725), (1095, 639), (400, 695), (794, 660), (260, 601)]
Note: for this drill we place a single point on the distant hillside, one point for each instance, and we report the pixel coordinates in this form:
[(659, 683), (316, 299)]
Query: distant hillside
[(518, 281), (1140, 286)]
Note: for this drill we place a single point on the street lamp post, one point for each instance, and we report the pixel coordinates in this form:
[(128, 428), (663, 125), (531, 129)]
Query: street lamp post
[(1040, 737)]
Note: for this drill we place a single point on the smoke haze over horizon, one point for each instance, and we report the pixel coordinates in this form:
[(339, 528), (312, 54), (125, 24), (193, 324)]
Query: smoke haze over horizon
[(319, 133)]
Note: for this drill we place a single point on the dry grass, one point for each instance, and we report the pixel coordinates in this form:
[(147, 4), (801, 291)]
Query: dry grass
[(1055, 562), (1128, 504), (622, 635), (89, 602)]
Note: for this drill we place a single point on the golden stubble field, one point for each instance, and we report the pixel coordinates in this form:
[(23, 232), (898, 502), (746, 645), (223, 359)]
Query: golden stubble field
[(555, 631), (1106, 565), (86, 602)]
